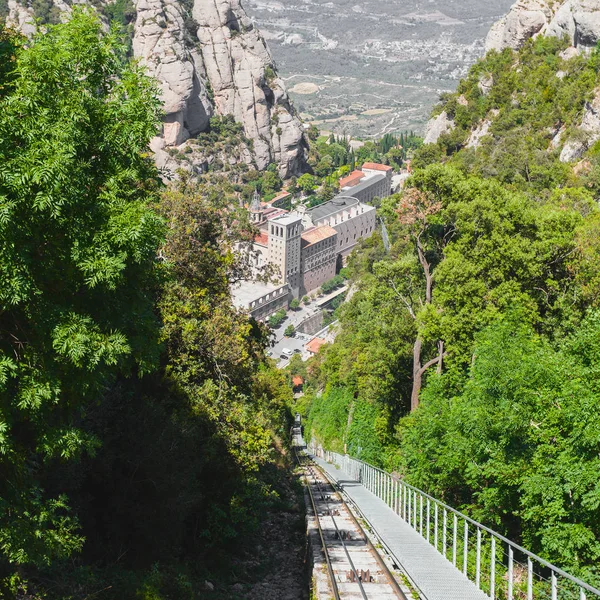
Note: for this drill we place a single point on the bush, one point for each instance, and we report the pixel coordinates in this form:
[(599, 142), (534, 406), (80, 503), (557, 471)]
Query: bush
[(306, 300), (289, 331), (277, 319), (295, 304), (332, 284)]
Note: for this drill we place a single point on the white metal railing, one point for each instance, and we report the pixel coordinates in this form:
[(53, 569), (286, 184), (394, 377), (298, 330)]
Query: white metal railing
[(500, 568)]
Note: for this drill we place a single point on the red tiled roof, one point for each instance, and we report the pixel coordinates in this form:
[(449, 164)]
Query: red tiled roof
[(377, 167), (352, 179), (318, 234), (262, 238), (315, 345), (297, 380)]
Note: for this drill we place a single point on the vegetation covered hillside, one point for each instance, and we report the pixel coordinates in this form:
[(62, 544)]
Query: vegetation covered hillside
[(140, 424), (518, 113), (467, 358)]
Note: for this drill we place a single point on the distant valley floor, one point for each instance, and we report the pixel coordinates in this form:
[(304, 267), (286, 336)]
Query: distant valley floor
[(373, 67)]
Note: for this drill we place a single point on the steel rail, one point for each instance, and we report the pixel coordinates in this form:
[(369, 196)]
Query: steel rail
[(388, 574), (334, 587), (350, 561)]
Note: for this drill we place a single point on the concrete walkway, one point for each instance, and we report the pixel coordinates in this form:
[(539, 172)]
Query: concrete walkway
[(436, 577)]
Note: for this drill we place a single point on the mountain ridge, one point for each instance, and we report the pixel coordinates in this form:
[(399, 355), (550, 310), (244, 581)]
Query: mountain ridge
[(209, 59)]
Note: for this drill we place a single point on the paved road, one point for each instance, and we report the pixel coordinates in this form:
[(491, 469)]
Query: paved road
[(299, 341), (435, 576)]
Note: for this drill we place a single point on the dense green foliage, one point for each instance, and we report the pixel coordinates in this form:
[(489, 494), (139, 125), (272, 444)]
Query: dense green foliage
[(78, 244), (332, 284), (518, 444), (138, 415), (508, 432), (329, 154)]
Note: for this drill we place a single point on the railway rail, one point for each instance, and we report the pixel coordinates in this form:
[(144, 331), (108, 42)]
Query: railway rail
[(354, 566)]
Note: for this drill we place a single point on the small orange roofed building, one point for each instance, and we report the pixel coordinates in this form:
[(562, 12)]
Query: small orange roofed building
[(315, 345)]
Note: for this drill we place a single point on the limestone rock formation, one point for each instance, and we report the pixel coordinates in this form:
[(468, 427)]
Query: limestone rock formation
[(239, 68), (486, 83), (20, 17), (579, 20), (587, 134), (230, 60), (437, 127), (160, 42), (479, 133)]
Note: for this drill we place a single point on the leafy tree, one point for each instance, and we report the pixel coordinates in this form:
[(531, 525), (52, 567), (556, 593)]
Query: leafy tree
[(306, 183), (277, 319), (78, 246), (295, 304), (518, 446), (411, 277), (313, 133), (290, 330)]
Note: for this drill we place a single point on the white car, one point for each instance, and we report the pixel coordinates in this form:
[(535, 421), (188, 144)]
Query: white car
[(286, 353)]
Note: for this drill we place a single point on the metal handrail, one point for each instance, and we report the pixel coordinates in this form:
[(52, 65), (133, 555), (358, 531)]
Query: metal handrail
[(512, 546)]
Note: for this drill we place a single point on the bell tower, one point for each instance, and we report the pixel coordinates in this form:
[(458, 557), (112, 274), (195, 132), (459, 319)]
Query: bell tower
[(256, 210)]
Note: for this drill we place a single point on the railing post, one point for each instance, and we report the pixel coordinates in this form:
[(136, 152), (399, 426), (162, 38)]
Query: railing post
[(409, 494), (445, 521), (397, 495), (428, 520), (466, 549), (435, 526), (421, 514), (493, 571), (529, 579), (454, 539), (478, 560), (404, 501), (554, 585), (415, 510), (510, 572)]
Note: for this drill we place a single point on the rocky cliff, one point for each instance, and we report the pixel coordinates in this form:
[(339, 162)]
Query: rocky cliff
[(209, 59), (579, 20)]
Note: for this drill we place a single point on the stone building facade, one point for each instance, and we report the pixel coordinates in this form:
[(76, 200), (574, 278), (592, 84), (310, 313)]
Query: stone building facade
[(319, 257), (307, 247), (351, 219)]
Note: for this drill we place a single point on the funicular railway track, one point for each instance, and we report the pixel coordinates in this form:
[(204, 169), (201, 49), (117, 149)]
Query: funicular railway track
[(355, 568)]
